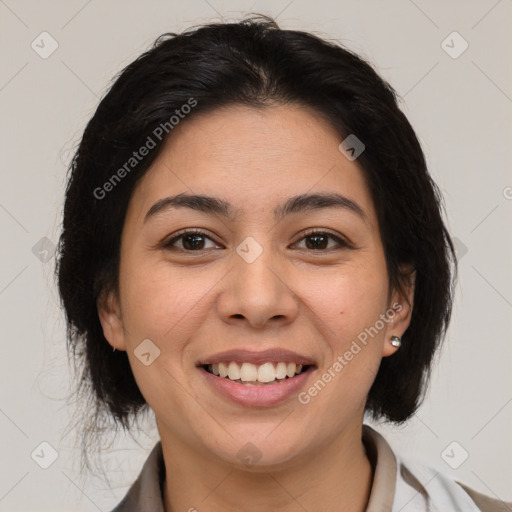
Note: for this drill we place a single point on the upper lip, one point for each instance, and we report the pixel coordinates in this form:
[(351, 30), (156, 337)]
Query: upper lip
[(274, 355)]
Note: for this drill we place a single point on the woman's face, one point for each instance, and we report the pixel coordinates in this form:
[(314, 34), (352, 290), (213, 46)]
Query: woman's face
[(255, 279)]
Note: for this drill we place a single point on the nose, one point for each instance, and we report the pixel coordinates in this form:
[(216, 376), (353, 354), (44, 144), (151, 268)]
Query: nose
[(258, 293)]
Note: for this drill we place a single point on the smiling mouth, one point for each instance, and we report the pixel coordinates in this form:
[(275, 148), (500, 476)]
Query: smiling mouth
[(256, 375)]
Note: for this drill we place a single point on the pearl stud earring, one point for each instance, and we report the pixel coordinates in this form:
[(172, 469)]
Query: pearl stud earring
[(396, 341)]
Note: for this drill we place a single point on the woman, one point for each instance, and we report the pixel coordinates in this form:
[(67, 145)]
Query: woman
[(253, 248)]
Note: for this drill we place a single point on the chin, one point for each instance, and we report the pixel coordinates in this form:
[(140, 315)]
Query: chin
[(258, 452)]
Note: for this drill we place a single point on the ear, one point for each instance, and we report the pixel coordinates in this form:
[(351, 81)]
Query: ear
[(400, 310), (109, 313)]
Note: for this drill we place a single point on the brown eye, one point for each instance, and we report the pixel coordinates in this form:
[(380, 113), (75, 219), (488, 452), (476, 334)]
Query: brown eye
[(191, 241), (319, 241)]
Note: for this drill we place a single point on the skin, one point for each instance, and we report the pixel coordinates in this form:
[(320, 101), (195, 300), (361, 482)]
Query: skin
[(293, 296)]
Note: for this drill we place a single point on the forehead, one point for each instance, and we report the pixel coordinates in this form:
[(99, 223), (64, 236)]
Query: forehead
[(254, 158)]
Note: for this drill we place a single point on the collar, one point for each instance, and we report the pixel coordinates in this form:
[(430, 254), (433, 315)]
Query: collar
[(146, 494)]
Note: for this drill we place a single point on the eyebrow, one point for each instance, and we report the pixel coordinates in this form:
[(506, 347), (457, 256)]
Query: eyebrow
[(216, 206)]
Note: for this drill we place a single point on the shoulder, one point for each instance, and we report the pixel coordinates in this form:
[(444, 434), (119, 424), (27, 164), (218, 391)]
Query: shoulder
[(408, 485), (486, 503), (441, 491), (145, 494)]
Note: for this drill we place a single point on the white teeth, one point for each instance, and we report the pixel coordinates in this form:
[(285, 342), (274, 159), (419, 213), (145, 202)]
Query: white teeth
[(290, 369), (281, 370), (223, 370), (233, 371), (248, 372), (266, 373)]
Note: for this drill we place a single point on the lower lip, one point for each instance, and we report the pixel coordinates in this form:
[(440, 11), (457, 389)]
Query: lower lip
[(257, 395)]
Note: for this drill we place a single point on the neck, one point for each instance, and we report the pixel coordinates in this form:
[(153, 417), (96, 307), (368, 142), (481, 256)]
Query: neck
[(339, 477)]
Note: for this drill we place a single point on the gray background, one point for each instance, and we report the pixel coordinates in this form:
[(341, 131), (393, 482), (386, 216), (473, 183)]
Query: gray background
[(461, 110)]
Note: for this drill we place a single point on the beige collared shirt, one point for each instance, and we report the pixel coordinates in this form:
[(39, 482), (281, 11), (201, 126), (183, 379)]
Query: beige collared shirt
[(397, 486)]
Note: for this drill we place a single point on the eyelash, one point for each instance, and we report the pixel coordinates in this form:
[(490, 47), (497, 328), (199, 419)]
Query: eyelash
[(341, 242)]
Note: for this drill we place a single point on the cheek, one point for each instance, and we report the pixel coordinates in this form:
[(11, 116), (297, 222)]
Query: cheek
[(348, 309), (166, 307), (352, 300), (164, 304)]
